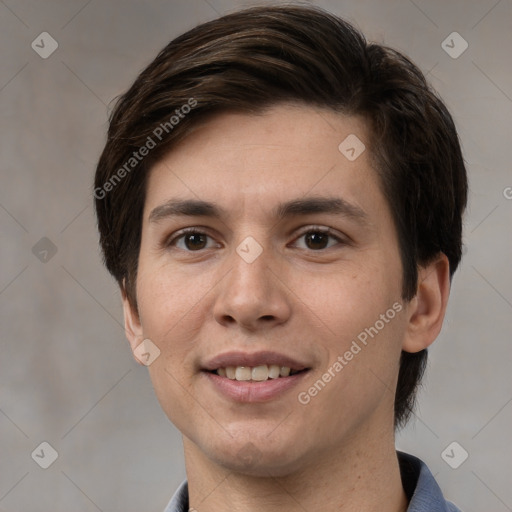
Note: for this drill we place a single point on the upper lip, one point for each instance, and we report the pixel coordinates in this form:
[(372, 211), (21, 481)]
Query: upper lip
[(252, 359)]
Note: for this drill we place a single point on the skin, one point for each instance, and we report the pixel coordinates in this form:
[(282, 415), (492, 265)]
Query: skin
[(301, 298)]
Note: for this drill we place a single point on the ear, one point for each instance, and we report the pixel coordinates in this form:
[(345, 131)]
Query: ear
[(427, 308), (132, 325)]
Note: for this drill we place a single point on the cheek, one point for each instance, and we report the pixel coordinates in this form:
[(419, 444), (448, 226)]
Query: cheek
[(347, 301), (175, 307), (359, 317), (168, 307), (363, 351), (167, 298)]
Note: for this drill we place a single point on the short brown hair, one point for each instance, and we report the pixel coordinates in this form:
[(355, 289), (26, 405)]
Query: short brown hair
[(256, 58)]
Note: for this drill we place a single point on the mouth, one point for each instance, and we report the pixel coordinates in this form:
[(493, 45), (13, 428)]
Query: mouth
[(258, 373), (257, 377)]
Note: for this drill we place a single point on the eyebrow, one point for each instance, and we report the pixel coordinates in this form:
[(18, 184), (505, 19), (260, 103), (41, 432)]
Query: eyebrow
[(295, 207)]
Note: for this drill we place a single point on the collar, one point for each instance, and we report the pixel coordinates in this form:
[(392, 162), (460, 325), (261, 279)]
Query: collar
[(419, 485)]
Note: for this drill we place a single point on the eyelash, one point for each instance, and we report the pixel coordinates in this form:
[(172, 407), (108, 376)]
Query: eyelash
[(170, 242)]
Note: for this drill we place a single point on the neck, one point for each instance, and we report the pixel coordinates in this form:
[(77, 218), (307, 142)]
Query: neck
[(364, 476)]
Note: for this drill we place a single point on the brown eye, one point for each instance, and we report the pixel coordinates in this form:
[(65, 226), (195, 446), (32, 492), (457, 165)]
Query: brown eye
[(190, 240), (316, 240), (319, 239), (194, 241)]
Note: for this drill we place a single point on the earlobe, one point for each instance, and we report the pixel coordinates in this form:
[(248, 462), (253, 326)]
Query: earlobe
[(132, 324), (427, 309)]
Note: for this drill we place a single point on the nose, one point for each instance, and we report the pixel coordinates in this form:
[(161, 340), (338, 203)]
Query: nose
[(252, 295)]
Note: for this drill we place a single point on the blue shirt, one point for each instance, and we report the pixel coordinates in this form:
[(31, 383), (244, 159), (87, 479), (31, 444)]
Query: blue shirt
[(419, 485)]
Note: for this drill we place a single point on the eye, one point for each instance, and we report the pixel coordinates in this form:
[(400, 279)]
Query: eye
[(318, 238), (193, 240)]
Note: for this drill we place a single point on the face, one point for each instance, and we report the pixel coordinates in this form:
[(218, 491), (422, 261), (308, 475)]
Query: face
[(293, 266)]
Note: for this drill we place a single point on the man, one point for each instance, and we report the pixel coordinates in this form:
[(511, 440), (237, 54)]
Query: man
[(281, 204)]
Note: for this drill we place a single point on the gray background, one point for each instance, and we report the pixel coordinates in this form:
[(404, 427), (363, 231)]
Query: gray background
[(66, 373)]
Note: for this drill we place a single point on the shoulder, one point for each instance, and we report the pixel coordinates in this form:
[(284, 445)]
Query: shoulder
[(421, 488), (179, 502)]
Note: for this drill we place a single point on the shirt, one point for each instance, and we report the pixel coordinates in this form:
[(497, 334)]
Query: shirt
[(420, 487)]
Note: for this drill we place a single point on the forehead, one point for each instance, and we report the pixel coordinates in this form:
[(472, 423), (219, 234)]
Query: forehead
[(288, 151)]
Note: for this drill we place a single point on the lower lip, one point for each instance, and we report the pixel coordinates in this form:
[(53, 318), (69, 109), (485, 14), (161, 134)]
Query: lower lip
[(254, 391)]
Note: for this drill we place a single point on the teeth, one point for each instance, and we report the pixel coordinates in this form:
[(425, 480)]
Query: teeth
[(260, 372), (284, 371), (243, 373), (273, 371), (256, 373)]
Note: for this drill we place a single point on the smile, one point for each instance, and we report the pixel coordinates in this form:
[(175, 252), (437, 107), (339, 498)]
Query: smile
[(256, 373)]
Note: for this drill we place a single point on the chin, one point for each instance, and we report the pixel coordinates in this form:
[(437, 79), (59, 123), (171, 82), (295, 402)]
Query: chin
[(257, 458)]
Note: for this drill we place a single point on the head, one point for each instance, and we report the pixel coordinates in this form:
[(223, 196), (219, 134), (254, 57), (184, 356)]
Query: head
[(238, 89)]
